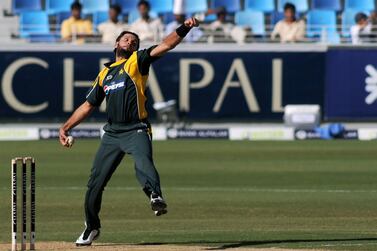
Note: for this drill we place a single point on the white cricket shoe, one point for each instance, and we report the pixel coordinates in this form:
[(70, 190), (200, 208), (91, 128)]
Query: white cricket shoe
[(87, 237), (158, 204)]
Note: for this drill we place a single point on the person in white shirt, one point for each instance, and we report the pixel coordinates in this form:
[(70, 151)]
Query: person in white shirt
[(148, 29), (221, 24), (289, 29), (224, 29), (112, 27), (361, 31), (193, 36)]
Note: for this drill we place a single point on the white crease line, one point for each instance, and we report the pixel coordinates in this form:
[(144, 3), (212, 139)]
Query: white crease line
[(213, 189), (349, 244)]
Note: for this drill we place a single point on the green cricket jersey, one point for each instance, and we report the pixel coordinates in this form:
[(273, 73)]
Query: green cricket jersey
[(124, 84)]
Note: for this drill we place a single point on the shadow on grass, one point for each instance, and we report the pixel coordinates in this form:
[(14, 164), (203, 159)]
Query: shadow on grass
[(237, 244)]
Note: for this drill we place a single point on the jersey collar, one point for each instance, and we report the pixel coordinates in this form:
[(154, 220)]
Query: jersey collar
[(115, 63)]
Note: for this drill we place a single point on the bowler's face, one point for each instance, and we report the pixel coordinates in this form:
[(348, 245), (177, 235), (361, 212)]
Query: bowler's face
[(128, 42)]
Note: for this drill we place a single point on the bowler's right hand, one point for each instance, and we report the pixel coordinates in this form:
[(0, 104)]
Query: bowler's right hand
[(63, 137)]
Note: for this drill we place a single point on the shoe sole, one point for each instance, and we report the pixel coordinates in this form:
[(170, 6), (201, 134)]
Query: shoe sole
[(162, 212), (88, 244), (158, 206)]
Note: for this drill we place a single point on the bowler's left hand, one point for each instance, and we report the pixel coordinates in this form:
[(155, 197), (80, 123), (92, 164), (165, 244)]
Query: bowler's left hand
[(191, 22)]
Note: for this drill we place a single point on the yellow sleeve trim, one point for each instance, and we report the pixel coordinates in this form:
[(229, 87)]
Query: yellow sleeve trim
[(102, 75)]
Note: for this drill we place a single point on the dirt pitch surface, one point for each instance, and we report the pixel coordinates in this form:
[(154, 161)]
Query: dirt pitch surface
[(67, 246)]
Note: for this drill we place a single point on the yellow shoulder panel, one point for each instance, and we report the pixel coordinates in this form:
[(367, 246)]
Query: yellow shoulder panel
[(102, 75), (140, 81)]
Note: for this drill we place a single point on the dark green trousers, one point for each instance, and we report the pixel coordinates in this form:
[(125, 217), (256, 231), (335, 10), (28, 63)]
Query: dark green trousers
[(113, 147)]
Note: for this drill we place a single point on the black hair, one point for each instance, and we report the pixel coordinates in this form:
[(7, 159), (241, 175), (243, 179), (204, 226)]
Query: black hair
[(221, 11), (360, 16), (116, 7), (290, 6), (143, 2), (128, 32), (76, 5)]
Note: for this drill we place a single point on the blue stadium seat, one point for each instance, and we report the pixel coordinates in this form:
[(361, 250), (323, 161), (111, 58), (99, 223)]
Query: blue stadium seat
[(260, 5), (348, 19), (326, 5), (318, 19), (231, 6), (161, 6), (210, 18), (20, 6), (61, 16), (277, 16), (168, 17), (253, 19), (91, 6), (126, 5), (194, 6), (134, 15), (359, 5), (100, 17), (33, 22), (301, 5), (56, 6)]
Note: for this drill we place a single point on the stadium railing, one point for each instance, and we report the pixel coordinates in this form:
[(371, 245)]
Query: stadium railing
[(339, 34)]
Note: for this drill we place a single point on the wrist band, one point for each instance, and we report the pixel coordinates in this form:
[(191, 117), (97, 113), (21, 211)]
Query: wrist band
[(182, 30)]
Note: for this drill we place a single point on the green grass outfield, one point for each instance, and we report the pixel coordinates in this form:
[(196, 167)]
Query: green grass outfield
[(308, 194)]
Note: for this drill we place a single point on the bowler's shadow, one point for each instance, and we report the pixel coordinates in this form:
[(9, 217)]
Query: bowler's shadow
[(236, 244), (288, 241)]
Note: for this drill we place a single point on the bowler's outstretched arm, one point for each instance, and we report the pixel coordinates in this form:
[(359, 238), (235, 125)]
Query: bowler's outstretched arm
[(174, 38)]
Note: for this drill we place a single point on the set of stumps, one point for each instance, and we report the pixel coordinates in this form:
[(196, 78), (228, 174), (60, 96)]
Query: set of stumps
[(24, 161)]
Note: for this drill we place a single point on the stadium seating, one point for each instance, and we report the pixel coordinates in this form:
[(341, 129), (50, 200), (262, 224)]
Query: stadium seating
[(326, 5), (359, 5), (319, 21), (194, 6), (260, 5), (126, 5), (277, 16), (161, 6), (301, 5), (167, 17), (91, 6), (348, 19), (253, 19), (231, 6), (210, 18), (56, 6), (33, 22), (100, 17), (134, 15), (20, 6), (61, 16)]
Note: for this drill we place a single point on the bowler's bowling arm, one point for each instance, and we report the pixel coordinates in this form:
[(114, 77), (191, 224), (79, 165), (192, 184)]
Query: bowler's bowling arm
[(173, 39), (80, 114)]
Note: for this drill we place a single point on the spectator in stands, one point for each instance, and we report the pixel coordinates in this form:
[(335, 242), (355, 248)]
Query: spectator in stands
[(148, 29), (289, 29), (76, 27), (373, 23), (112, 27), (224, 29), (361, 31), (193, 36)]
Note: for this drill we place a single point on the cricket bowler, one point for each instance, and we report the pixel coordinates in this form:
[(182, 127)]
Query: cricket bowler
[(127, 131)]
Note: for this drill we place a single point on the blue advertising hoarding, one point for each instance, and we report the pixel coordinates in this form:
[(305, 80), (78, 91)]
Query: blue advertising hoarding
[(49, 85), (351, 84)]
